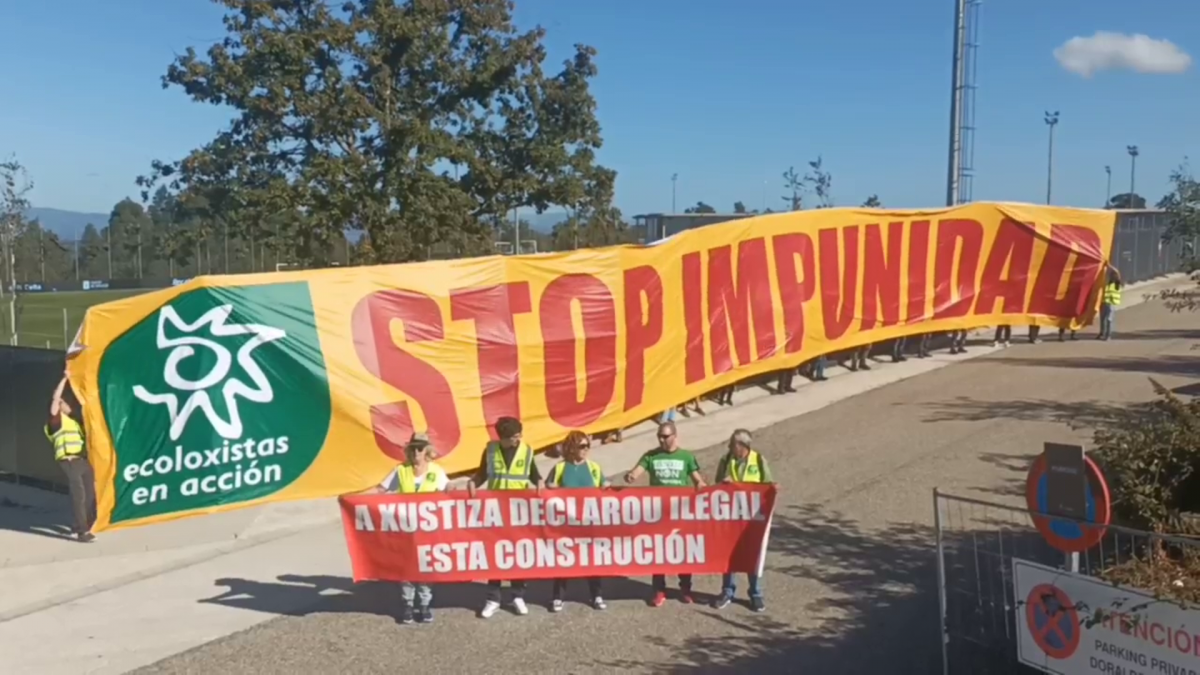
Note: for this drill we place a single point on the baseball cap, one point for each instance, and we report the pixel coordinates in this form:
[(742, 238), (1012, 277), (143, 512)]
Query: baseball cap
[(419, 438)]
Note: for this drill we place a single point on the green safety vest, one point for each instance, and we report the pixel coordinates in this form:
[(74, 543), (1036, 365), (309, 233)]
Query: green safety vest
[(1112, 295), (501, 476), (68, 440), (407, 483), (556, 473), (750, 471)]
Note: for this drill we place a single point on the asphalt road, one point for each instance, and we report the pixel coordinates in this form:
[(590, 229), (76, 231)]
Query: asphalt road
[(850, 582)]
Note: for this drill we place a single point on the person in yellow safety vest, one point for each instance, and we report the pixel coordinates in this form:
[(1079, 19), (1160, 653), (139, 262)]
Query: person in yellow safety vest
[(417, 475), (66, 435), (574, 472), (1109, 302), (507, 464), (742, 465)]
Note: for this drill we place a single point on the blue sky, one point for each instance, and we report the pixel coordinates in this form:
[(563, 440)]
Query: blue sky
[(726, 93)]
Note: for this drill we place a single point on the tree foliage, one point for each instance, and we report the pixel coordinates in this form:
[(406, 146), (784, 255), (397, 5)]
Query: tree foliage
[(873, 202), (1182, 204), (700, 207), (413, 126), (820, 183), (739, 207), (1127, 200)]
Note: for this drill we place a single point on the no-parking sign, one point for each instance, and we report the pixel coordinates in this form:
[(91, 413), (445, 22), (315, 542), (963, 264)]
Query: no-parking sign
[(1057, 486), (1071, 624)]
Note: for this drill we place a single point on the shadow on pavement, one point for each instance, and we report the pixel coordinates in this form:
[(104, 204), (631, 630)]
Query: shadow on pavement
[(1076, 414), (47, 522), (1160, 334), (879, 606), (1159, 365), (297, 595)]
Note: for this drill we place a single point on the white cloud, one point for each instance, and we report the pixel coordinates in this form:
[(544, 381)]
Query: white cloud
[(1116, 51)]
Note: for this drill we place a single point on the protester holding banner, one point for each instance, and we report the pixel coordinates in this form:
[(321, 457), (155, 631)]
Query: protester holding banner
[(507, 465), (577, 471), (742, 464), (418, 474), (669, 466)]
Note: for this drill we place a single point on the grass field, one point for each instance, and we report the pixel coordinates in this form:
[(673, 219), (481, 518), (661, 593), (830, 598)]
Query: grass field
[(50, 320)]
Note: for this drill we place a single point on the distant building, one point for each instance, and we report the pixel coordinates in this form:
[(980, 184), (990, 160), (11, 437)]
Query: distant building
[(662, 225)]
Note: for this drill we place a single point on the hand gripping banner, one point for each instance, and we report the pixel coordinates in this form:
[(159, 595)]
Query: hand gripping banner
[(228, 391)]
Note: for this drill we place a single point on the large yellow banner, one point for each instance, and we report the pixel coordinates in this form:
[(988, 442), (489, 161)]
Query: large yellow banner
[(236, 390)]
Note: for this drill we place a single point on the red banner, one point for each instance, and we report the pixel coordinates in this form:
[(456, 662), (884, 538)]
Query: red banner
[(451, 537)]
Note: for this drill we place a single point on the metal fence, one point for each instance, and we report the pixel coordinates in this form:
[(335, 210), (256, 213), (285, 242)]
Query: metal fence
[(977, 542), (1139, 250), (27, 379)]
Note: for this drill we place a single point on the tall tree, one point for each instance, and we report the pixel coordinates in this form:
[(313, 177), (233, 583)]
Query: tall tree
[(15, 186), (873, 202), (820, 182), (739, 207), (346, 118), (700, 207), (794, 187), (128, 230), (93, 251), (1182, 204)]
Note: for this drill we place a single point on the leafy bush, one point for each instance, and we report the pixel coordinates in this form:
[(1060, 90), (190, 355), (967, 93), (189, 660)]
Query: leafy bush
[(1150, 456)]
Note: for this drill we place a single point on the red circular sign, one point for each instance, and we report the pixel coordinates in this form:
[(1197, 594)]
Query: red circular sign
[(1053, 621), (1081, 537)]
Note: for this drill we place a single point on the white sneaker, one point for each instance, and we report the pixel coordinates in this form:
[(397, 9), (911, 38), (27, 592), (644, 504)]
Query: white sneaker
[(598, 603), (557, 605), (489, 609), (519, 606)]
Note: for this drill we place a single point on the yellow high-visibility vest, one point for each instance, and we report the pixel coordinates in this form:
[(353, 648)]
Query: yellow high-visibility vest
[(752, 472), (502, 476), (556, 473), (407, 479), (1112, 295), (68, 440)]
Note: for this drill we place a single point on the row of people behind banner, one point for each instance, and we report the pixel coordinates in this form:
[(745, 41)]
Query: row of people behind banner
[(508, 464), (899, 349)]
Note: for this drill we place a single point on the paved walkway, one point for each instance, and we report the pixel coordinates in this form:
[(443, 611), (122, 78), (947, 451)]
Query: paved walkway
[(849, 572)]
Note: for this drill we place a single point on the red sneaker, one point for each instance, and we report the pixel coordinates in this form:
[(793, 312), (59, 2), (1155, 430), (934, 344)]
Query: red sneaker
[(686, 597), (658, 600)]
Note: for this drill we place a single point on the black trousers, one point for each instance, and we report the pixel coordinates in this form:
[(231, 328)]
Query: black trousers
[(81, 484), (560, 587), (517, 589)]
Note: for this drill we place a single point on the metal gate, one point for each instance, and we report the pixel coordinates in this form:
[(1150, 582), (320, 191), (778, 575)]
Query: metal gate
[(976, 544)]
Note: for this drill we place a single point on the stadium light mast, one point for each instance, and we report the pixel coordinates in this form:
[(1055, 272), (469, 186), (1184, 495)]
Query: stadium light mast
[(1051, 120), (1133, 155)]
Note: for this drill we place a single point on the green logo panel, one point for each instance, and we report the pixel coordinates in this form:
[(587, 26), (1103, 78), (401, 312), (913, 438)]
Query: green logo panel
[(218, 398)]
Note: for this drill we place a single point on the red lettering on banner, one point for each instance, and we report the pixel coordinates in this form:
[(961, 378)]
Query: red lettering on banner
[(839, 287), (1067, 242), (449, 537), (421, 318), (643, 327), (599, 313), (492, 308), (735, 305), (1006, 270), (954, 290), (881, 275), (794, 289), (693, 319), (918, 271)]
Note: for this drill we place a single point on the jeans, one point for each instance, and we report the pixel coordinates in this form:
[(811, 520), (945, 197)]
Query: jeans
[(1034, 332), (958, 340), (818, 368), (560, 587), (729, 585), (517, 588), (1003, 334), (659, 582), (1106, 321), (898, 348), (667, 416), (923, 344), (421, 592)]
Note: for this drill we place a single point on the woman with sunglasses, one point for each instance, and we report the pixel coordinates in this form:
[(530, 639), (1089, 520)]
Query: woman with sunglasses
[(576, 471)]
